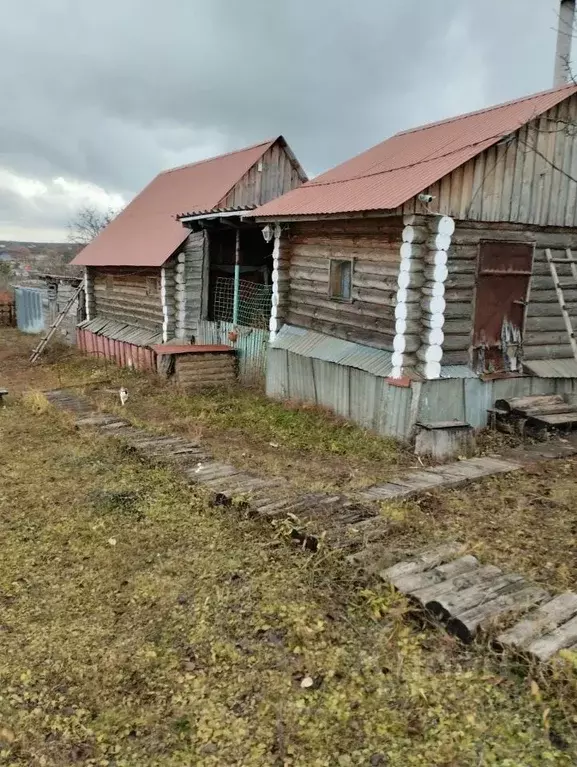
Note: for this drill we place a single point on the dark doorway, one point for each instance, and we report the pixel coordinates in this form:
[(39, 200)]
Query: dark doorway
[(255, 276), (503, 279)]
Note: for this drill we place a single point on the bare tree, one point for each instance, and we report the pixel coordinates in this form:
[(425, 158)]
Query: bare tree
[(88, 223)]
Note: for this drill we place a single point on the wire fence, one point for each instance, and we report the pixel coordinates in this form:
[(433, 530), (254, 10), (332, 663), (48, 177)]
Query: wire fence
[(253, 306)]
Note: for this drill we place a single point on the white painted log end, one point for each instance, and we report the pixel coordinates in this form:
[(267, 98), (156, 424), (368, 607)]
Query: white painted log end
[(400, 343), (397, 372), (401, 310), (412, 250), (411, 265), (434, 321), (439, 242), (445, 225), (430, 353), (433, 337), (436, 257), (438, 273), (403, 281), (398, 359), (434, 305), (401, 327), (434, 289), (432, 370), (415, 234)]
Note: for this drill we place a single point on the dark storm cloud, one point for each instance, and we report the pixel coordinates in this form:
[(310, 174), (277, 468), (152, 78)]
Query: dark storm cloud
[(111, 92)]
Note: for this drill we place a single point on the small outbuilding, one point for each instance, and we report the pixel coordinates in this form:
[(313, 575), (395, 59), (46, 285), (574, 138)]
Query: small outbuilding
[(151, 279), (433, 274)]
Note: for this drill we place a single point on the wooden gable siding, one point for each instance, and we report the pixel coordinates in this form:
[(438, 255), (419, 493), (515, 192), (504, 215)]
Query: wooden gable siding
[(374, 246), (515, 180), (131, 295), (191, 284), (278, 176), (544, 332)]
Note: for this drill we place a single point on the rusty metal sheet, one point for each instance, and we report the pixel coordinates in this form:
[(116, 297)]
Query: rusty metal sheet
[(500, 304)]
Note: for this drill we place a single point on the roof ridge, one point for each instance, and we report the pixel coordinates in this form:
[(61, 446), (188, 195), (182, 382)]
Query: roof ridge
[(314, 182), (456, 118), (267, 143)]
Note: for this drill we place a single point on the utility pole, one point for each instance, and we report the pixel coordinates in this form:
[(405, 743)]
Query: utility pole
[(564, 40)]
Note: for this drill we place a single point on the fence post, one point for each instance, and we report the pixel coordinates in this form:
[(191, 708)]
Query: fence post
[(236, 293)]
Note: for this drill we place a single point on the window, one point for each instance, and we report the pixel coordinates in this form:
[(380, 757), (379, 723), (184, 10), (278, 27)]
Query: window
[(341, 280), (152, 286)]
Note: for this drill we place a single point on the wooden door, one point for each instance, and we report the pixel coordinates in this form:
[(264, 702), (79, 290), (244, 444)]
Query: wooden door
[(502, 288)]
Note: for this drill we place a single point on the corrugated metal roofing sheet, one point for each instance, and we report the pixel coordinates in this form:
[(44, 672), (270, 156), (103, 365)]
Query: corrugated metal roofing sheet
[(120, 331), (457, 371), (309, 343), (394, 171), (217, 211), (552, 368), (146, 232)]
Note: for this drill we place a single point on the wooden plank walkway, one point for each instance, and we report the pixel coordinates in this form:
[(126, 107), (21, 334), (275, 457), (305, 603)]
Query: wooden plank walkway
[(463, 472), (470, 597), (444, 580)]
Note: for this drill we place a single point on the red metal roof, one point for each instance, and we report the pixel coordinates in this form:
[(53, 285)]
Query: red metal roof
[(393, 172), (146, 233)]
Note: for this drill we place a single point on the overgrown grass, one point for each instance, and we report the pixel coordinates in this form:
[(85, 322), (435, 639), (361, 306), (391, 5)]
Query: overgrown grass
[(139, 627), (524, 522), (311, 447)]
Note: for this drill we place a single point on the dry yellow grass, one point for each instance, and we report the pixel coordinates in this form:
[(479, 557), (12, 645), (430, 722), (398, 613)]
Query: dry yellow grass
[(140, 628)]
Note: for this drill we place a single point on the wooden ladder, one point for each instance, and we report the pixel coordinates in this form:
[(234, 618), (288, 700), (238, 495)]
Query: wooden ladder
[(57, 322), (559, 290)]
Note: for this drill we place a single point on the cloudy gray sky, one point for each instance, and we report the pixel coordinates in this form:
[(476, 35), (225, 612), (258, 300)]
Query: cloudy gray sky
[(99, 97)]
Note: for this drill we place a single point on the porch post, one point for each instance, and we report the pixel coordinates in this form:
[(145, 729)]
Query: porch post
[(236, 295)]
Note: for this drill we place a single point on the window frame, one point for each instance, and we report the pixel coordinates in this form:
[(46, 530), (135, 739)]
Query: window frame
[(334, 264), (152, 286)]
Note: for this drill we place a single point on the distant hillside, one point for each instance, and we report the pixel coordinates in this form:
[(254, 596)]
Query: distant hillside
[(46, 257), (34, 250)]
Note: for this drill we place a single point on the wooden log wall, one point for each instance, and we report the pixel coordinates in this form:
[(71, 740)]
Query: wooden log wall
[(195, 371), (374, 246), (168, 299), (131, 295), (544, 334), (89, 295), (280, 283), (191, 285)]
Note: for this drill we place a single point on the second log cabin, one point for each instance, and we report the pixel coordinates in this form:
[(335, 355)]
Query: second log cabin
[(151, 280), (411, 283)]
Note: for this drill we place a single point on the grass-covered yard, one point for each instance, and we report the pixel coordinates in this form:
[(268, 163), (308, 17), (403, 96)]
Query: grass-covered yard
[(310, 447), (139, 627)]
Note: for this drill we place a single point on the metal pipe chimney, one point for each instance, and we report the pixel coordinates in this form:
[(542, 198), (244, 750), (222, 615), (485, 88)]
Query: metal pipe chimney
[(564, 40)]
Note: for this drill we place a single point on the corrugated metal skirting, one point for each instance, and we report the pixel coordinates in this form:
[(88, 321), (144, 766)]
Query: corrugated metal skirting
[(371, 401), (469, 399), (29, 313), (251, 346), (121, 352), (367, 399)]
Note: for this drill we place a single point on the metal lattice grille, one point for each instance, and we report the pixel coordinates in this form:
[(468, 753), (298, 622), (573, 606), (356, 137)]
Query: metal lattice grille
[(253, 306)]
